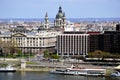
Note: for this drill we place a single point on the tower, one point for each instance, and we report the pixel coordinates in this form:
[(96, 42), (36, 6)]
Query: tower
[(64, 20), (60, 20), (46, 22)]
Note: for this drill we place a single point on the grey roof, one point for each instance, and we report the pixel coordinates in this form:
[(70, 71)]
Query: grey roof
[(41, 28), (7, 33), (31, 33), (20, 29), (108, 28)]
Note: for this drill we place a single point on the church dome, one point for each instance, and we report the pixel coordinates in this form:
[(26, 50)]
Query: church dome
[(59, 15), (60, 20)]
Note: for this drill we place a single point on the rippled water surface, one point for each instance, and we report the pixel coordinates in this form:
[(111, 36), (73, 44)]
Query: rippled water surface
[(48, 76)]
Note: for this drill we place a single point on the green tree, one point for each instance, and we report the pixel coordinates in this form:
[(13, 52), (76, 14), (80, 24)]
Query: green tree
[(19, 53), (99, 54), (46, 54), (54, 56)]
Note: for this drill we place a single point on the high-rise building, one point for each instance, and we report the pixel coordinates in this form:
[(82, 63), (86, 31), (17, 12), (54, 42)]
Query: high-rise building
[(72, 44), (94, 40), (80, 43), (109, 41)]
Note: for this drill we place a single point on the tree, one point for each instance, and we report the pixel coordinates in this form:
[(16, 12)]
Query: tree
[(54, 56), (99, 54), (1, 47), (8, 47), (19, 53), (13, 47), (46, 54)]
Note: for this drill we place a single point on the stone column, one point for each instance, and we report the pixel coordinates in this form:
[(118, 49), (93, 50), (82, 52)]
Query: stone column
[(23, 64)]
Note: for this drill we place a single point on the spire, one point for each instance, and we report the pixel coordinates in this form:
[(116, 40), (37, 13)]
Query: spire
[(46, 25), (46, 15)]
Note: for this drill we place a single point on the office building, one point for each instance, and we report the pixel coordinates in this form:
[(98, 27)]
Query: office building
[(72, 44)]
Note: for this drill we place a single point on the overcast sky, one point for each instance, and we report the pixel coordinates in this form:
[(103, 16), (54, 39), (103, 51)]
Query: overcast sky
[(72, 8)]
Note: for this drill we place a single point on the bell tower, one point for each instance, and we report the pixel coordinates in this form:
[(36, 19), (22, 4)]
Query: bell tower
[(46, 21)]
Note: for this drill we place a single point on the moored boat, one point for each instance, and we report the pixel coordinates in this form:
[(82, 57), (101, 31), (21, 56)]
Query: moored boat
[(9, 68), (116, 74), (80, 71)]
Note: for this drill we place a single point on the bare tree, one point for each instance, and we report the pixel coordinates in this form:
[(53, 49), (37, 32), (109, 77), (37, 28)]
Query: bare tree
[(8, 47)]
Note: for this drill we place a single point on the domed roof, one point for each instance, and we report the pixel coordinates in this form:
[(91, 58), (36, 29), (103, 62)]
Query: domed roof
[(60, 9), (59, 15)]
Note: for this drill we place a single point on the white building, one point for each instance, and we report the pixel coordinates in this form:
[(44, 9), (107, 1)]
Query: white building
[(32, 42)]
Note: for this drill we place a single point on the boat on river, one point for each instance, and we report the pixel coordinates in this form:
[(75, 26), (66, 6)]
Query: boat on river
[(80, 71), (9, 68), (117, 72)]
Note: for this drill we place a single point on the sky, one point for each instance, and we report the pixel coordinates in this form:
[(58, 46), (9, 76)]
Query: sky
[(72, 8)]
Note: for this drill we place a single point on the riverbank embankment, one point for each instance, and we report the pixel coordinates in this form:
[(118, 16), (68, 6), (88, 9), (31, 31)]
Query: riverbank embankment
[(46, 67)]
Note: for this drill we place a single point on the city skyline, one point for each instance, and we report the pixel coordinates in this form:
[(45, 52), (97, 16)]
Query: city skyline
[(72, 8)]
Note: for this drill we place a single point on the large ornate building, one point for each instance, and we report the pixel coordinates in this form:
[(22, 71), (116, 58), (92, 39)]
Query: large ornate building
[(36, 41), (32, 42), (60, 20)]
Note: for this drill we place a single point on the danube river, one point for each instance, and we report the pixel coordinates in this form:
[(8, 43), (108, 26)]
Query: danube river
[(48, 76)]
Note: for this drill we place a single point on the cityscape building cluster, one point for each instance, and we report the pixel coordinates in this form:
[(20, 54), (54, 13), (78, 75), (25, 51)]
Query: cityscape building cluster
[(80, 43), (62, 36), (31, 42)]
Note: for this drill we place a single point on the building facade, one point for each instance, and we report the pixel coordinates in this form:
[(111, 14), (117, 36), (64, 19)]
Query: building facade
[(109, 41), (80, 43), (118, 27), (70, 44), (32, 42)]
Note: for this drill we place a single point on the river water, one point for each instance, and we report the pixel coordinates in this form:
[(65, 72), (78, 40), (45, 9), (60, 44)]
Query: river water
[(48, 76)]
